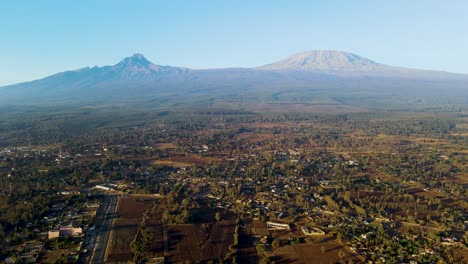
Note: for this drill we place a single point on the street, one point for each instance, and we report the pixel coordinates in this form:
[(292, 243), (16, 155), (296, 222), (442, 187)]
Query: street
[(96, 241)]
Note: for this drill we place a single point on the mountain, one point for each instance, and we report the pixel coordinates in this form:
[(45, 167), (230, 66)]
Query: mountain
[(344, 63), (137, 67), (127, 76), (308, 77), (324, 60)]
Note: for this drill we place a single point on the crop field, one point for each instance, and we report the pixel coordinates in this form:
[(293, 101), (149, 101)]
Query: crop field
[(201, 241), (124, 227), (194, 243)]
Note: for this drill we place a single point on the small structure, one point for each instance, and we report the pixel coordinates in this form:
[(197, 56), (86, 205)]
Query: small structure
[(103, 187), (65, 232), (312, 231), (53, 234), (277, 226)]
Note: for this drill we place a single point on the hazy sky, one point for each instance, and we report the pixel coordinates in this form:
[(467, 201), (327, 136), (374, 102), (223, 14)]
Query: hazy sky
[(39, 38)]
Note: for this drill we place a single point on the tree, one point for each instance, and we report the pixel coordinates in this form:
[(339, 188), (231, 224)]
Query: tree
[(218, 216), (276, 243), (341, 254), (322, 249), (166, 215)]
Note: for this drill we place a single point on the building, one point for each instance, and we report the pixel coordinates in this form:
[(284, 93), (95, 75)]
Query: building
[(277, 226), (312, 231), (102, 187), (53, 234), (65, 232)]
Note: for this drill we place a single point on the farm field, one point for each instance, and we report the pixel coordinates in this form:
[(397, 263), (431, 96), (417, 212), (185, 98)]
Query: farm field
[(200, 241), (124, 228), (193, 243), (312, 254)]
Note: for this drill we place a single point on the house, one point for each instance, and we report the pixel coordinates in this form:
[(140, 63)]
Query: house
[(65, 232), (53, 234)]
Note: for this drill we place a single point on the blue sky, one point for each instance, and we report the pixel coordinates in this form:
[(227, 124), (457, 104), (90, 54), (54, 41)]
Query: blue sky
[(39, 38)]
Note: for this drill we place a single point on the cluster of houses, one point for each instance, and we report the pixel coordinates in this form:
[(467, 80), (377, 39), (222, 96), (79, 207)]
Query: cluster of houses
[(27, 253)]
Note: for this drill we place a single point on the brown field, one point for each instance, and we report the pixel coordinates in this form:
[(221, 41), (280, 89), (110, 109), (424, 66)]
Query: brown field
[(304, 253), (129, 212), (171, 163), (294, 107), (267, 125), (461, 254), (462, 178), (259, 228), (255, 137), (185, 161), (165, 146), (192, 243), (429, 141), (462, 125)]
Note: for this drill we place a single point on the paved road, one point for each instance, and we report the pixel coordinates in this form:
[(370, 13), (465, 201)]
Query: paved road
[(98, 242)]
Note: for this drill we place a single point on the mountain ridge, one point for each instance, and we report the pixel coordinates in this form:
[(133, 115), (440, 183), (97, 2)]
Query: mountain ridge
[(332, 62), (303, 73)]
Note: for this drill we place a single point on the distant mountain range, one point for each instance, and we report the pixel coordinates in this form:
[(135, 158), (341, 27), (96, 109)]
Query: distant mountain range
[(310, 77)]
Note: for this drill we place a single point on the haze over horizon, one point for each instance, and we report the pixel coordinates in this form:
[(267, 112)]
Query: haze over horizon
[(40, 39)]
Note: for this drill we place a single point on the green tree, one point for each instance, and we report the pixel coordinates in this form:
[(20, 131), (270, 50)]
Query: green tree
[(276, 243)]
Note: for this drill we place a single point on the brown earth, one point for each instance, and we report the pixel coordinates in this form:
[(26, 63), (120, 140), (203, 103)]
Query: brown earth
[(304, 253), (193, 242), (124, 227)]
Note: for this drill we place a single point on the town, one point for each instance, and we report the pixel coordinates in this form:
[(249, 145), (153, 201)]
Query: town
[(240, 188)]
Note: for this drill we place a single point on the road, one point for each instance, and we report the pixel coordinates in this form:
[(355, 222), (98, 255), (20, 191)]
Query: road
[(97, 243)]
